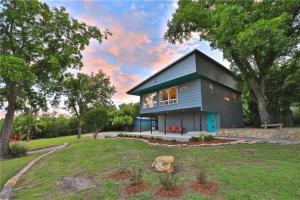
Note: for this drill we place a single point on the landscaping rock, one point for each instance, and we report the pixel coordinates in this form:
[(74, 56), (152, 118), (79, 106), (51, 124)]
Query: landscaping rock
[(163, 164)]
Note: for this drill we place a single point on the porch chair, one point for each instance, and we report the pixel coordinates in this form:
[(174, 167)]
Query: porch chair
[(168, 129), (181, 130), (174, 129)]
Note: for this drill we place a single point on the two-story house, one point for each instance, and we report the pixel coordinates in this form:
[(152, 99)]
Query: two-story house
[(193, 93)]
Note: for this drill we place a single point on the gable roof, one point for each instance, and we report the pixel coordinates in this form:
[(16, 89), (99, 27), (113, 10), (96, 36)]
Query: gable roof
[(196, 51)]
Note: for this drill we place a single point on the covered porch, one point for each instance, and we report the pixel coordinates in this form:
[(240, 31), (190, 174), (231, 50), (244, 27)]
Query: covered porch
[(178, 122)]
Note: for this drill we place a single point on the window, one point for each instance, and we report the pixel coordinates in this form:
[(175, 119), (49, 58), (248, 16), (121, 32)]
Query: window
[(234, 97), (150, 100), (168, 96), (183, 88), (211, 88)]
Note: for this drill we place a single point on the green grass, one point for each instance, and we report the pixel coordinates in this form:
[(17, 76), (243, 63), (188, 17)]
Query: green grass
[(10, 167), (49, 142), (258, 171)]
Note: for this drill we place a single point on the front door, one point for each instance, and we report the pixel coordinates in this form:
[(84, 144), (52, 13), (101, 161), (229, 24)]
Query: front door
[(211, 122)]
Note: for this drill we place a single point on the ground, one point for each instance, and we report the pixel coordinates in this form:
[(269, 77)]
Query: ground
[(257, 171)]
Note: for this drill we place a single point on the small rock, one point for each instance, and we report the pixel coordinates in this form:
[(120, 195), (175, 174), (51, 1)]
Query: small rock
[(163, 164)]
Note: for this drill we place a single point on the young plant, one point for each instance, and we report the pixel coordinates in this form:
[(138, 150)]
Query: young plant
[(173, 140), (17, 150), (194, 139), (209, 138), (202, 177), (136, 176), (168, 181), (202, 135)]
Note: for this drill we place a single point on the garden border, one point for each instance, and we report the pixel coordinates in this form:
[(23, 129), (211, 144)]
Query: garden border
[(9, 185), (185, 145)]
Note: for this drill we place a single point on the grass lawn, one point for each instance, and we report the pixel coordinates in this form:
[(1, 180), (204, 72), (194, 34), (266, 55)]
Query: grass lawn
[(42, 143), (9, 168), (257, 171)]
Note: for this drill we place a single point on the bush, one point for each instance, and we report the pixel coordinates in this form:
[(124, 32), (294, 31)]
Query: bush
[(136, 176), (168, 181), (17, 150), (209, 138), (204, 136), (194, 139), (173, 140), (202, 177)]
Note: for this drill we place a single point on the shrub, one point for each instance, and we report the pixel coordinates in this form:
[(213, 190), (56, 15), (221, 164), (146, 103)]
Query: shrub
[(209, 138), (168, 181), (194, 139), (17, 150), (174, 140), (136, 176), (202, 135), (202, 177), (140, 136), (120, 135)]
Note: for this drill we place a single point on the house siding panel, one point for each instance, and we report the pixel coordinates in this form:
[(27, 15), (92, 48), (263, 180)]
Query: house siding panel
[(182, 68), (230, 113), (210, 70), (186, 99)]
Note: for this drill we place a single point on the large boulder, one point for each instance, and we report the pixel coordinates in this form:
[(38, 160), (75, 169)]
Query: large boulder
[(163, 164)]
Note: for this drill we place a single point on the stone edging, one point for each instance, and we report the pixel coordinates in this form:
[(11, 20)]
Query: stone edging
[(185, 145), (9, 185)]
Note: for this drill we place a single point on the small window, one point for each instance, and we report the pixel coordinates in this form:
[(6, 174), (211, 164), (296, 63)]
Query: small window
[(150, 100), (211, 88), (234, 97), (183, 88), (227, 99)]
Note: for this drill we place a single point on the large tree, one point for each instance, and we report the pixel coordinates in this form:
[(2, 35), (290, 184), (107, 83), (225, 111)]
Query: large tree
[(84, 91), (252, 35), (37, 45)]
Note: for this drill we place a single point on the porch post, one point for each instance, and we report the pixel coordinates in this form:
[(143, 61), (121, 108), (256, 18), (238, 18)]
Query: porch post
[(140, 124), (194, 129), (200, 121), (165, 124), (181, 118), (151, 124)]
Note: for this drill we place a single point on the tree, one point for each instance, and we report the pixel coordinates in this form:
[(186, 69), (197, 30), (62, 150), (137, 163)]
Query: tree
[(123, 117), (96, 118), (251, 34), (84, 91), (37, 46)]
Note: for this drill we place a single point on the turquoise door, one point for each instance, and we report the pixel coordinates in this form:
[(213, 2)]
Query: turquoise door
[(211, 122)]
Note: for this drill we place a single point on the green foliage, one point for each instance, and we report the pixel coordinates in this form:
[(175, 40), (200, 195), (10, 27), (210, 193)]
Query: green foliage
[(136, 176), (194, 139), (253, 36), (168, 180), (123, 118), (203, 135), (96, 118), (17, 150)]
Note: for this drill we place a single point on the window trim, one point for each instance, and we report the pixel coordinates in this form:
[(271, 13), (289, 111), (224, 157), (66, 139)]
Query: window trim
[(154, 104), (167, 102)]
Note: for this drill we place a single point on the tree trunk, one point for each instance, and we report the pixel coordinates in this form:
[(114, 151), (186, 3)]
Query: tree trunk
[(259, 92), (79, 128), (8, 121)]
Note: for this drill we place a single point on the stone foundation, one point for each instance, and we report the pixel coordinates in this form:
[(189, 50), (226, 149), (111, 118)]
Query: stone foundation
[(272, 133)]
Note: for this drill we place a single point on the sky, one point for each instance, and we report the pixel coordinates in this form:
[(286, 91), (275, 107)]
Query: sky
[(136, 48)]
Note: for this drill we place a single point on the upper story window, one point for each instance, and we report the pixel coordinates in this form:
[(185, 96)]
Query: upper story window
[(150, 100), (211, 88), (234, 97), (168, 96)]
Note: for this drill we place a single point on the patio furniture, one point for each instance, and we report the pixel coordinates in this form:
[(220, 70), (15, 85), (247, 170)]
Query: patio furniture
[(174, 129), (168, 129), (271, 125), (181, 130)]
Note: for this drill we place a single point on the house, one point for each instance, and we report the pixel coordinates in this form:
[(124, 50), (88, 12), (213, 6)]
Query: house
[(144, 124), (194, 93)]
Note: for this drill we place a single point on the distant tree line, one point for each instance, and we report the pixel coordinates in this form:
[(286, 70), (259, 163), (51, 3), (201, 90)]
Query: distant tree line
[(98, 118)]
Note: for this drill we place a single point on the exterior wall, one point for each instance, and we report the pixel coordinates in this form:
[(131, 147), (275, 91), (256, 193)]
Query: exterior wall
[(186, 99), (207, 68), (145, 125), (190, 120), (230, 113), (184, 67)]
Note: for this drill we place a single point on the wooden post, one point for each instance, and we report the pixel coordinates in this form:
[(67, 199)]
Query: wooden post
[(151, 124), (165, 125), (140, 124), (200, 121), (194, 129), (181, 118)]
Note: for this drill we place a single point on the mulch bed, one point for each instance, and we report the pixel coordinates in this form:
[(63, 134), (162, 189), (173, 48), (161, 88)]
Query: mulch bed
[(213, 141), (174, 192), (136, 188), (208, 188), (120, 175)]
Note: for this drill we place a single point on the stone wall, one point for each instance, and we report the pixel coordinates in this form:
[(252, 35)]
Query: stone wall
[(272, 133)]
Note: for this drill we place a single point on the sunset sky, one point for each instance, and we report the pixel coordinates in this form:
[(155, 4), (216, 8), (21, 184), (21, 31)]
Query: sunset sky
[(137, 48)]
